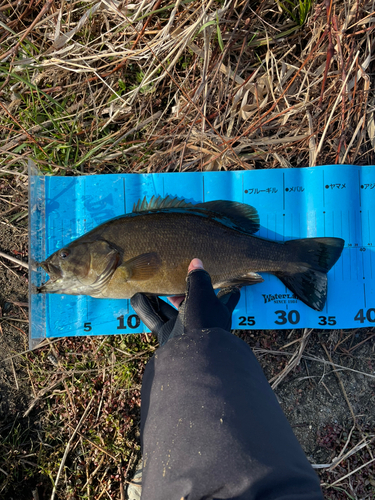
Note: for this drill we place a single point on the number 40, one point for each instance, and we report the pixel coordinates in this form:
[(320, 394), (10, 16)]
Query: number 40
[(362, 316)]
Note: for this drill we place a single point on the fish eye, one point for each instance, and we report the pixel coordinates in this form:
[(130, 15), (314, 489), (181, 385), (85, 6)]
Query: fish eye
[(64, 253)]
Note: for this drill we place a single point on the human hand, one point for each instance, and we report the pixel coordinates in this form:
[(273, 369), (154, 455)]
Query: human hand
[(199, 309)]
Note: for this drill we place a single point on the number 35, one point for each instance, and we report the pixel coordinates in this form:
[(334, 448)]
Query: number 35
[(331, 320)]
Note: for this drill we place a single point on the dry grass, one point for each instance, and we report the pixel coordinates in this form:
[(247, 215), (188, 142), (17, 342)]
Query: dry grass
[(106, 87), (117, 87)]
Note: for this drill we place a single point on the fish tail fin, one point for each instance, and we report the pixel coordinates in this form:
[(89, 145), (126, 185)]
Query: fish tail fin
[(313, 258)]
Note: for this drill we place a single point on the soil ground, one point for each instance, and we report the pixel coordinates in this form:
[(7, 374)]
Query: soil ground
[(14, 394)]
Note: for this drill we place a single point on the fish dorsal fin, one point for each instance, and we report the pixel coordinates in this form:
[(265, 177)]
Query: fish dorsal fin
[(234, 213), (158, 203), (231, 213)]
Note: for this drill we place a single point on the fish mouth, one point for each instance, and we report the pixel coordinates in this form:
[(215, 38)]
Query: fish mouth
[(53, 285), (59, 285), (53, 271)]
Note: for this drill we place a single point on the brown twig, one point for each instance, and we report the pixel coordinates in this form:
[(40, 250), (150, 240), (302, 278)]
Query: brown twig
[(351, 473), (14, 49), (42, 393), (361, 343), (95, 446), (294, 360), (21, 127), (341, 385), (140, 34), (14, 374), (8, 6), (68, 445), (343, 77), (330, 54), (13, 259)]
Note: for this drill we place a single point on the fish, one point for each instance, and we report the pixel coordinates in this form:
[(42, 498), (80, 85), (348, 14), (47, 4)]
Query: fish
[(149, 251)]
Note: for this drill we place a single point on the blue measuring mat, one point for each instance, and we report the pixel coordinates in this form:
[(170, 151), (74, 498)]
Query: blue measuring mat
[(334, 200)]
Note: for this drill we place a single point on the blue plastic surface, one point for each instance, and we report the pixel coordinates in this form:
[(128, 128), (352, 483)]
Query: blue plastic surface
[(336, 200)]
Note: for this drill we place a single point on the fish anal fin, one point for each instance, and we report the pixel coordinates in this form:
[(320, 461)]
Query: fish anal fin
[(238, 281), (142, 267), (309, 285)]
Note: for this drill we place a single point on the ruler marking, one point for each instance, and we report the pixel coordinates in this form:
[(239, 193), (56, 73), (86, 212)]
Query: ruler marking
[(358, 266), (284, 191), (364, 294), (371, 263), (124, 188), (292, 226), (324, 194), (342, 265), (369, 226), (246, 299), (275, 229), (349, 226), (342, 230), (359, 189), (363, 265), (42, 206)]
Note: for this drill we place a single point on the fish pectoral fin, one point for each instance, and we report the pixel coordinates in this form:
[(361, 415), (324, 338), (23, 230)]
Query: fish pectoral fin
[(142, 267), (243, 280)]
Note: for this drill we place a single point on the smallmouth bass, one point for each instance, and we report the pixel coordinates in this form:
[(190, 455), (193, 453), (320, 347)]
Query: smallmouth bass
[(150, 249)]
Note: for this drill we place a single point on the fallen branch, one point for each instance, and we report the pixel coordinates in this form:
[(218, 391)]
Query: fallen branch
[(340, 458), (350, 473), (13, 259), (294, 361), (341, 385), (14, 49), (312, 358)]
